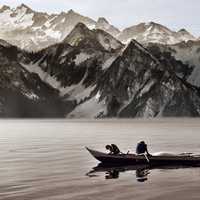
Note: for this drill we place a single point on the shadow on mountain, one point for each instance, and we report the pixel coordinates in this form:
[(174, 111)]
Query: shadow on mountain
[(16, 105)]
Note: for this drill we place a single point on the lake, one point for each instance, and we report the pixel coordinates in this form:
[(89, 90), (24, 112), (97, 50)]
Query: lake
[(47, 160)]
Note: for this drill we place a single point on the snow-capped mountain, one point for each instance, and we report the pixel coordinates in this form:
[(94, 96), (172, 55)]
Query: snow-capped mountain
[(32, 30), (85, 71), (96, 38), (73, 69), (154, 33)]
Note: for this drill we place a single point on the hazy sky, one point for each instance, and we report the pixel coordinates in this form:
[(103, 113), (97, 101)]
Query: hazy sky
[(175, 14)]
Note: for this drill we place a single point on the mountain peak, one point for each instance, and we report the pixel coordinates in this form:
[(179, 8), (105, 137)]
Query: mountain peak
[(102, 20), (4, 7), (82, 26), (182, 30), (157, 25), (71, 12), (23, 6), (103, 24), (79, 32), (151, 23), (185, 35)]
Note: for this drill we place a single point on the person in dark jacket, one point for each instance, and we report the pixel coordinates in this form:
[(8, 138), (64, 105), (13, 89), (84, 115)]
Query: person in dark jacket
[(113, 148), (142, 148)]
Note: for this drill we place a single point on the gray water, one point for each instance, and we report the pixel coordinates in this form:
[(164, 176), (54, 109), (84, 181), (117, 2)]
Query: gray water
[(46, 160)]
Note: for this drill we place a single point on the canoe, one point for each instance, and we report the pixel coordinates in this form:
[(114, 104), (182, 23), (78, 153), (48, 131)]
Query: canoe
[(133, 159)]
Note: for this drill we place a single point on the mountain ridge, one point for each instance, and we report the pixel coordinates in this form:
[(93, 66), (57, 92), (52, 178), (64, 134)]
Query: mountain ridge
[(30, 29), (82, 70)]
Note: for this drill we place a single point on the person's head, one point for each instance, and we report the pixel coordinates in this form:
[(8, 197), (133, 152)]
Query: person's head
[(108, 147)]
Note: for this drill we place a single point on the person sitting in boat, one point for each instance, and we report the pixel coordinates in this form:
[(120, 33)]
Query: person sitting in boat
[(113, 148), (142, 148)]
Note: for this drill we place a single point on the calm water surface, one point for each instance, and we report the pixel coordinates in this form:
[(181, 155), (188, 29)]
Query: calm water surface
[(46, 160)]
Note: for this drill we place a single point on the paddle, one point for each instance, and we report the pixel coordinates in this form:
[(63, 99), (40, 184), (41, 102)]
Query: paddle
[(146, 158)]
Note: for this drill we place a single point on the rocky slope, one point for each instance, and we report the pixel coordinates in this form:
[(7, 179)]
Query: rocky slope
[(189, 54), (24, 94), (137, 84)]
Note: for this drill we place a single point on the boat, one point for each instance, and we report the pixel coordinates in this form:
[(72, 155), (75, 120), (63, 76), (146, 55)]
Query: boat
[(134, 159)]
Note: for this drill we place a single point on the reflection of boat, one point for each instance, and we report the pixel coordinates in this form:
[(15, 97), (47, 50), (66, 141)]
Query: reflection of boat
[(133, 159), (141, 171), (109, 168)]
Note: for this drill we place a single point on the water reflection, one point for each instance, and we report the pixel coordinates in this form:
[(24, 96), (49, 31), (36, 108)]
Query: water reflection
[(141, 172), (113, 172)]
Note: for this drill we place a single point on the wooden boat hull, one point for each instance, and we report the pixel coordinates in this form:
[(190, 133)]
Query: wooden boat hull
[(132, 159)]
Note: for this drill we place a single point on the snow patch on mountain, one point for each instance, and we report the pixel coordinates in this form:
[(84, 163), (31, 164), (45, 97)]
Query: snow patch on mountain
[(31, 96), (76, 92), (82, 57), (146, 88), (90, 109), (109, 62), (53, 34), (19, 18), (34, 68), (83, 93)]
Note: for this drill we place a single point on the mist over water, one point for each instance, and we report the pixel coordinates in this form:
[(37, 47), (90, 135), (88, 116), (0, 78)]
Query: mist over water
[(46, 160)]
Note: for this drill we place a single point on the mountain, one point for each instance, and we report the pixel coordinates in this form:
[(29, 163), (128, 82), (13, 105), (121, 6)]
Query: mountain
[(74, 66), (33, 30), (84, 82), (154, 33), (96, 38), (24, 94), (77, 68), (137, 84), (73, 71)]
